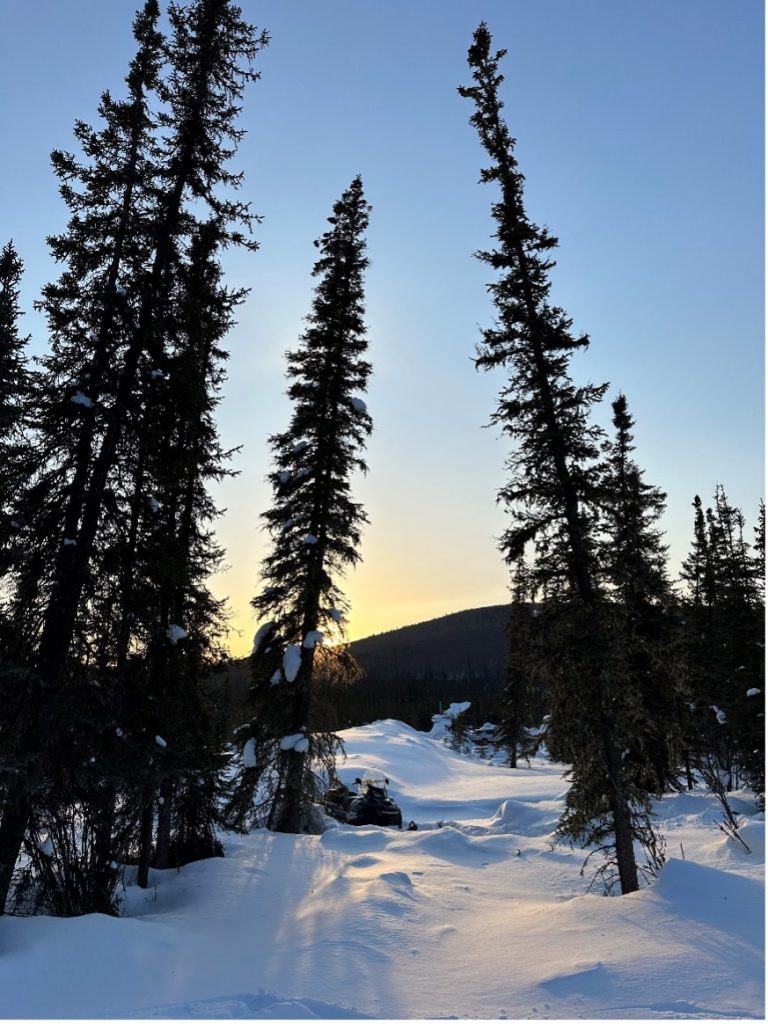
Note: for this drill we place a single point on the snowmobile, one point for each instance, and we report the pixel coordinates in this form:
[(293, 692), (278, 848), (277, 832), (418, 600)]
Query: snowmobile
[(371, 805)]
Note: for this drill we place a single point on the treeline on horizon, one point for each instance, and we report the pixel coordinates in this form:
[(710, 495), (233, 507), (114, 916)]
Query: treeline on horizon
[(115, 747)]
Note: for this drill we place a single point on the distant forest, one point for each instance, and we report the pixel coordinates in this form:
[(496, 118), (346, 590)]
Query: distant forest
[(411, 673)]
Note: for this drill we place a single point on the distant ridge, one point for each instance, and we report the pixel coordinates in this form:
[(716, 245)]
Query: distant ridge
[(462, 644)]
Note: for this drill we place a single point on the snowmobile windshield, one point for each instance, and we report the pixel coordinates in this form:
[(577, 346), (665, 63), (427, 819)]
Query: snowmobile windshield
[(374, 779)]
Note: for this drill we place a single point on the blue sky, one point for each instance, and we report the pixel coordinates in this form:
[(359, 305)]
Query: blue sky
[(640, 132)]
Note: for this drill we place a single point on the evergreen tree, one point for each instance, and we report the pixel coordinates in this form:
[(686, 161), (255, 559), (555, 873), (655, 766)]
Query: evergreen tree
[(179, 621), (722, 649), (634, 566), (696, 570), (521, 698), (551, 499), (15, 457), (314, 525), (758, 558), (147, 178)]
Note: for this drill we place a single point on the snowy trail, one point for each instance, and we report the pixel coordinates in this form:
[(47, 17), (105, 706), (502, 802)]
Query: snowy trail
[(479, 918)]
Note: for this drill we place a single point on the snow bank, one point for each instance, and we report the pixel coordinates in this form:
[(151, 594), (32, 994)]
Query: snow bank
[(259, 1006)]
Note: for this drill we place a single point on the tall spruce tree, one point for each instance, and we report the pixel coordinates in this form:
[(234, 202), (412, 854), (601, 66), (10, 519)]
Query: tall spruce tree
[(15, 451), (633, 562), (147, 178), (314, 525), (180, 622), (551, 499)]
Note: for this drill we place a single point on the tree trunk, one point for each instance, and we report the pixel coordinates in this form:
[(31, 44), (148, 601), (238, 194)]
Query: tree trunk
[(164, 814), (145, 838), (15, 820)]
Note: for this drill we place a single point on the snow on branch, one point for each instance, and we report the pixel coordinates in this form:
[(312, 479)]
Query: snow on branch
[(175, 633), (291, 662)]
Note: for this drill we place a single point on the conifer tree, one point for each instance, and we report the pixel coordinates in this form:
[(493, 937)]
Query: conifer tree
[(314, 525), (634, 566), (551, 498), (178, 619), (524, 681), (16, 459), (722, 649), (696, 570), (146, 178)]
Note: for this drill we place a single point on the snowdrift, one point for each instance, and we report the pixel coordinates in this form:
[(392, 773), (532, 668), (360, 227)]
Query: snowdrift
[(475, 915)]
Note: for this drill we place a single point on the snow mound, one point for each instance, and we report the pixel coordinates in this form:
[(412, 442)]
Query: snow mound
[(721, 899), (516, 817), (753, 834), (245, 1005)]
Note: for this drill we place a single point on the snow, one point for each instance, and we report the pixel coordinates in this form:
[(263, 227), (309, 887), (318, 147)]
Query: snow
[(249, 754), (291, 662), (175, 633), (300, 447), (284, 476), (310, 538), (260, 634), (153, 503), (296, 741), (443, 722), (312, 638), (720, 715), (753, 692), (358, 405), (80, 399), (276, 677), (335, 614), (160, 741), (68, 542), (481, 918)]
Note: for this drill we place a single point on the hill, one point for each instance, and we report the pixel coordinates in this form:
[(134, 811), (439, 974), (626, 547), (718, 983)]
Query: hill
[(464, 645), (411, 672)]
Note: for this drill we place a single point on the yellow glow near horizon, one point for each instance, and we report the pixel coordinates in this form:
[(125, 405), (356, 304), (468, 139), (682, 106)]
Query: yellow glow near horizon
[(403, 579)]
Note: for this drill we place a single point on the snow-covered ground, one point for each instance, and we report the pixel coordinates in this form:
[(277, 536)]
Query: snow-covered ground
[(473, 915)]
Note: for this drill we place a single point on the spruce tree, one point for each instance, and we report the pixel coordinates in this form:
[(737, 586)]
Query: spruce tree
[(634, 566), (314, 525), (551, 499), (15, 455), (722, 649), (521, 698), (147, 176), (179, 622)]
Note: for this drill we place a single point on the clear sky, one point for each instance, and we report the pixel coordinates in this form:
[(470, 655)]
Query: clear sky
[(640, 131)]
